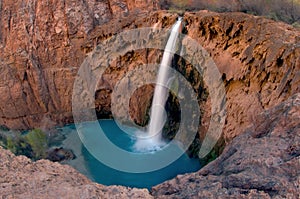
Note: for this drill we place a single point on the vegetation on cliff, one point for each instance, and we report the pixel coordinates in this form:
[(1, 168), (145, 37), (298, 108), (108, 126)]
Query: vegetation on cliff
[(33, 144)]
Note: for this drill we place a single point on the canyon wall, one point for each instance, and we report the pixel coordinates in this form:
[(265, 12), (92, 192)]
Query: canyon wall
[(258, 59), (41, 52)]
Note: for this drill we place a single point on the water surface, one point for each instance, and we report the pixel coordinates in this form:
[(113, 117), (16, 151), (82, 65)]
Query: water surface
[(87, 164)]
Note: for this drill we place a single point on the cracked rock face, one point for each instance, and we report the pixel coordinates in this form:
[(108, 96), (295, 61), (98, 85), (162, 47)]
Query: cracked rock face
[(260, 69), (40, 54), (258, 59)]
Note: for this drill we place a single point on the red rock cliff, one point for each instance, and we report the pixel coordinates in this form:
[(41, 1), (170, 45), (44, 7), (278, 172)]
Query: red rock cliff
[(40, 54)]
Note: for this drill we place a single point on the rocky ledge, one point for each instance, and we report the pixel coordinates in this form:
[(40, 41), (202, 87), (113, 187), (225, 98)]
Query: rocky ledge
[(263, 162), (22, 178)]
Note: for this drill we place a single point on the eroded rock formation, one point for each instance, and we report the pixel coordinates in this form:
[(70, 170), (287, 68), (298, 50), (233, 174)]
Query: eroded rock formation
[(39, 62), (259, 60), (262, 162)]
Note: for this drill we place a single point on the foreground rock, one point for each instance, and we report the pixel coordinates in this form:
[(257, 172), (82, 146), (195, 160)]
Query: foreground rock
[(263, 162), (21, 178), (60, 154)]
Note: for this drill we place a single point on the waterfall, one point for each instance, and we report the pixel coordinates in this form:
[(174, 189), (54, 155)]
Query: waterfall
[(157, 114)]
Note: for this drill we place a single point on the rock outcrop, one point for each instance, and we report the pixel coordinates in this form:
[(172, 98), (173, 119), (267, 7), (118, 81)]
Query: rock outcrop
[(259, 60), (262, 162), (21, 178)]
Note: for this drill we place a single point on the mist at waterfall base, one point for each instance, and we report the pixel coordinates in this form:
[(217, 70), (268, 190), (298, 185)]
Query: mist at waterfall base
[(87, 164)]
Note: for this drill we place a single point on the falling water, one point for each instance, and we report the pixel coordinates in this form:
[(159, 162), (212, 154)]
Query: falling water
[(158, 115)]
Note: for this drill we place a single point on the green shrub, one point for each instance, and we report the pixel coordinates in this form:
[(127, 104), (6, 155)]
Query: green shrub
[(11, 145), (296, 25), (37, 140), (34, 144)]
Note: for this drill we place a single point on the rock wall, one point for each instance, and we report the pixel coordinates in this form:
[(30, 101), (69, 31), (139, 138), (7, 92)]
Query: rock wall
[(41, 52), (44, 43), (259, 60)]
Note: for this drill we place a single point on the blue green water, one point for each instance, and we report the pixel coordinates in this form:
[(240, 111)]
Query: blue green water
[(103, 174)]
